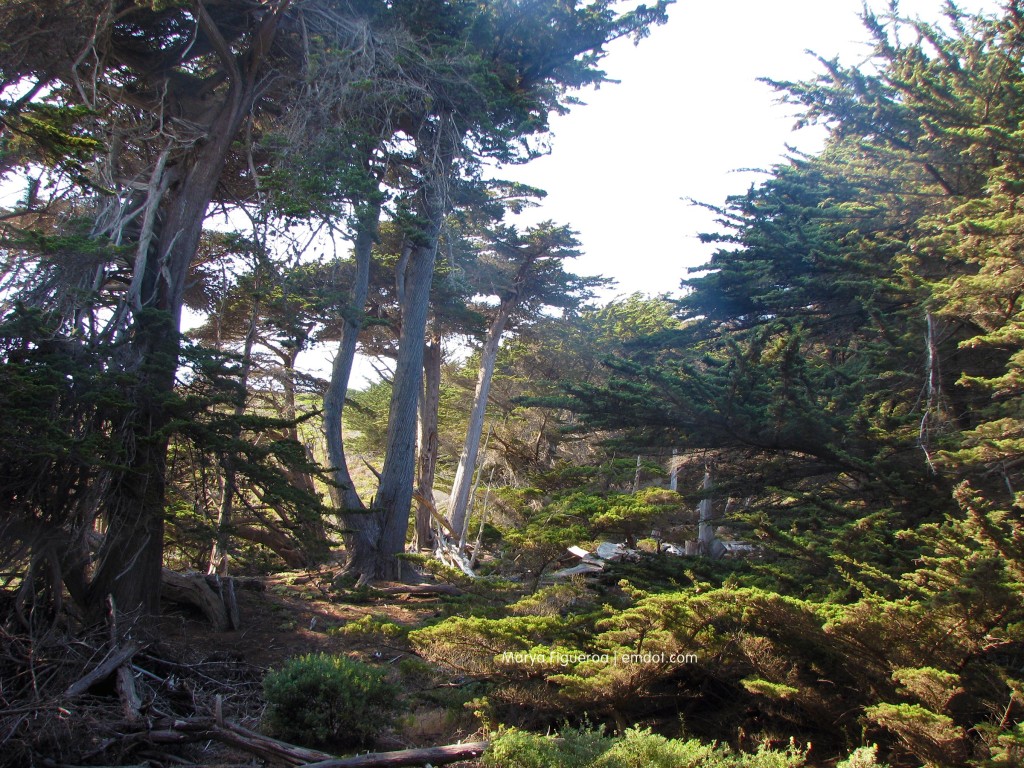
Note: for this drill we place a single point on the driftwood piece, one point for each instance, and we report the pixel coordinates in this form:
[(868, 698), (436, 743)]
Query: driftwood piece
[(224, 586), (194, 590), (423, 756), (131, 702), (441, 520), (447, 552)]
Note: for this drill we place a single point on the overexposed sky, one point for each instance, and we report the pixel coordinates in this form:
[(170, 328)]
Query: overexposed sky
[(687, 115)]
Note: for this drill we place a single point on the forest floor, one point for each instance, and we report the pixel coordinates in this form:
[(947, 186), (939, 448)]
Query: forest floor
[(294, 613), (290, 614)]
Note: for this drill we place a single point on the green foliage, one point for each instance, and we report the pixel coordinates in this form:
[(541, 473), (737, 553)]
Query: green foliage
[(636, 748), (370, 628), (323, 700), (521, 749), (862, 757), (210, 432), (933, 736)]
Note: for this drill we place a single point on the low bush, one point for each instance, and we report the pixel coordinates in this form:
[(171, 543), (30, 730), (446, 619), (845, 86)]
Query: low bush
[(324, 700), (636, 748)]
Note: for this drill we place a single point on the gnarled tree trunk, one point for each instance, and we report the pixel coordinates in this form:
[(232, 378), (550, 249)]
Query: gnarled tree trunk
[(128, 564)]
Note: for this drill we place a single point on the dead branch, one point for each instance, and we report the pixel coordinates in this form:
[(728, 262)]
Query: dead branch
[(185, 730), (192, 729), (101, 671)]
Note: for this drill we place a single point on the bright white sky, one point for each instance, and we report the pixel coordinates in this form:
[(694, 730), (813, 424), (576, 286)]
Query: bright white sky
[(687, 114)]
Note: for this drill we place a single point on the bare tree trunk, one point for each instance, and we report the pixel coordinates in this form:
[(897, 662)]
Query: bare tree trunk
[(705, 529), (483, 521), (394, 495), (428, 442), (459, 502), (478, 476), (361, 526), (378, 536), (343, 493)]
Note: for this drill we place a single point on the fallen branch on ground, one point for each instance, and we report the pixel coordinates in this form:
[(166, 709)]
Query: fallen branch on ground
[(184, 730), (419, 589), (432, 755)]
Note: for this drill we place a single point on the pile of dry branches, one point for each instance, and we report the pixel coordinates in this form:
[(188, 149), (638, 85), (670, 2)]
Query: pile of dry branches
[(73, 698)]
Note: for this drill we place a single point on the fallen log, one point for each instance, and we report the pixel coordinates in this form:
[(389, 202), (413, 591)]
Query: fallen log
[(184, 730), (404, 757), (419, 589)]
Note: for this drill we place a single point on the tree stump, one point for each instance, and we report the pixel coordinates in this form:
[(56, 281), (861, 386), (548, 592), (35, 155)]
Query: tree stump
[(213, 596)]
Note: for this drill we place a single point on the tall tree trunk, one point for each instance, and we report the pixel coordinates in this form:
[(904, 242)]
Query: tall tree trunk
[(129, 562), (705, 527), (343, 491), (394, 495), (428, 441), (459, 502), (381, 533)]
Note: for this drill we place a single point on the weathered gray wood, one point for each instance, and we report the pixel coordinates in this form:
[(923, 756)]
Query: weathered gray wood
[(705, 529), (224, 586), (102, 671), (185, 730), (423, 756)]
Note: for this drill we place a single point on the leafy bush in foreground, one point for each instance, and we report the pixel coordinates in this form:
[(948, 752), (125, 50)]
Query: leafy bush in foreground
[(319, 699)]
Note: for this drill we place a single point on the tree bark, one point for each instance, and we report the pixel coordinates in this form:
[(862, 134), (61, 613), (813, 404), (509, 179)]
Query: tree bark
[(428, 442), (343, 492), (459, 502), (376, 553), (705, 528), (193, 589), (394, 495), (128, 564)]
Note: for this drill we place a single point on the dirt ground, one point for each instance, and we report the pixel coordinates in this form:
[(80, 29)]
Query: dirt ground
[(285, 615), (294, 613)]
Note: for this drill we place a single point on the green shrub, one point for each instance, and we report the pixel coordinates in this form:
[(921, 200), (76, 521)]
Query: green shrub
[(521, 749), (642, 749), (370, 628), (319, 699), (637, 748), (863, 757)]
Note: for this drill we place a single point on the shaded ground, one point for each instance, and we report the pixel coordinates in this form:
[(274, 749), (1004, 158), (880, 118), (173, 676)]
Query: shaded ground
[(295, 613), (63, 701), (290, 614)]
